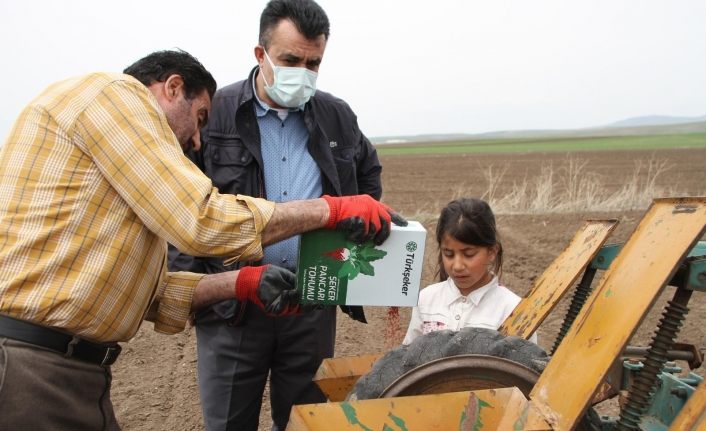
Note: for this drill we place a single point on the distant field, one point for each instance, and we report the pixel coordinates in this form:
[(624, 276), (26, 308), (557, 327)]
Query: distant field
[(697, 140)]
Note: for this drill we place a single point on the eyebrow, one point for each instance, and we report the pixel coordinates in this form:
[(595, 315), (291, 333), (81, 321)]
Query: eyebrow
[(292, 57), (296, 59), (469, 248)]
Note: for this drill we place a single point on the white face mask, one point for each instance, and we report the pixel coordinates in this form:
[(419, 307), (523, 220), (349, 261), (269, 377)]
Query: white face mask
[(292, 86)]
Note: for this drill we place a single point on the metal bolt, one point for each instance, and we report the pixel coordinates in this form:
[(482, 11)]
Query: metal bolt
[(701, 276), (679, 393)]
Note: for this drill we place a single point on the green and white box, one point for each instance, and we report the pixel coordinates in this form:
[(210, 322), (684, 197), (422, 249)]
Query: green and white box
[(333, 270)]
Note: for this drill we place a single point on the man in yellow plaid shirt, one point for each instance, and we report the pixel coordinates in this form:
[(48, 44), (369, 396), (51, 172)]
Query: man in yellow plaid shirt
[(93, 184)]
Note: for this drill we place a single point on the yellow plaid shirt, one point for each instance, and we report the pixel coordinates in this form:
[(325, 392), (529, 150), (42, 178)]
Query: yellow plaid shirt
[(93, 183)]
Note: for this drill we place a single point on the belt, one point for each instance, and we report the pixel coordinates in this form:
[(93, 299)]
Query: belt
[(68, 345)]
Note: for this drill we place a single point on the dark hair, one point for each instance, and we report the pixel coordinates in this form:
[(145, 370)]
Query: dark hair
[(160, 65), (309, 18), (470, 221)]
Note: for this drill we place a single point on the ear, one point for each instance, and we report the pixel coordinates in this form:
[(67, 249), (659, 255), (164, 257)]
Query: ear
[(259, 52), (173, 86), (493, 253)]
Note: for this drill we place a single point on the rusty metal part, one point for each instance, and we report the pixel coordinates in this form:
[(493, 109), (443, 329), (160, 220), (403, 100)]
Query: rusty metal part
[(462, 373), (679, 352), (583, 290), (697, 356), (612, 313)]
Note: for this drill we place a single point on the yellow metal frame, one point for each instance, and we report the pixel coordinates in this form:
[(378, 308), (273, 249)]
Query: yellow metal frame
[(336, 376), (616, 307), (487, 409)]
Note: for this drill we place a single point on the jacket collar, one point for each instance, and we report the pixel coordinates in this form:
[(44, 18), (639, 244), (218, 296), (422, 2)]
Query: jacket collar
[(247, 95)]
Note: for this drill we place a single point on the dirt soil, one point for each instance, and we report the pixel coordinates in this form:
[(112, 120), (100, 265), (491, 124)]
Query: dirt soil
[(154, 386)]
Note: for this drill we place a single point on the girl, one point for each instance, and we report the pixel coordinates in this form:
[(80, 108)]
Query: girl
[(470, 261)]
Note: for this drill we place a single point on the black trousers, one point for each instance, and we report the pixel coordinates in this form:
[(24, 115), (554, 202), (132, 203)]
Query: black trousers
[(234, 362)]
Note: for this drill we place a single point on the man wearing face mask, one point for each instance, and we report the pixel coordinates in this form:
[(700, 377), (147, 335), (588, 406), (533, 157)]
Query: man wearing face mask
[(275, 135)]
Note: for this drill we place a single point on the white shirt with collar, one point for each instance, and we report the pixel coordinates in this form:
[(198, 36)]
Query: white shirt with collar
[(442, 306)]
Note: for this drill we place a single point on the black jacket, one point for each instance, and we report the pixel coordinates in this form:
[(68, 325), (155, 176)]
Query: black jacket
[(230, 155)]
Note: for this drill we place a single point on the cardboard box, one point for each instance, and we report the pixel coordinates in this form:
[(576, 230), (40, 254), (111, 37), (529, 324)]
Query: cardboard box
[(332, 270)]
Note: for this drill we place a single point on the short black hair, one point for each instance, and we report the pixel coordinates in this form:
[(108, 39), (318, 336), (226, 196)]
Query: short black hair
[(309, 18), (160, 65)]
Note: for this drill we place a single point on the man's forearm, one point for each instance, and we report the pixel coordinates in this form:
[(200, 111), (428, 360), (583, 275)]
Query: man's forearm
[(214, 288), (295, 217), (289, 219)]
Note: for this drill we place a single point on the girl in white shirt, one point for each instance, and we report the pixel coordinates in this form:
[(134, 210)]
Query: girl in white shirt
[(470, 261)]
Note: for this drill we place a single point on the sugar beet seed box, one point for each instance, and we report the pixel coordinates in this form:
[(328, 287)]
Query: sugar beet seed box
[(333, 270)]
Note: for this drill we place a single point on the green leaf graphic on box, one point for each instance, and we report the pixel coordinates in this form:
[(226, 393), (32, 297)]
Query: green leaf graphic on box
[(365, 267), (355, 259), (370, 253), (348, 270)]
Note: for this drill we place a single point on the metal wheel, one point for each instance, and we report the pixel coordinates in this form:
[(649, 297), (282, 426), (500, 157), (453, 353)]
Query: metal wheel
[(462, 373)]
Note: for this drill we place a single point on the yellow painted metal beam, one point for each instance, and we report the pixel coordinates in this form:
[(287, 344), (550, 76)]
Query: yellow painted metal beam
[(558, 278), (692, 416), (491, 409), (612, 313)]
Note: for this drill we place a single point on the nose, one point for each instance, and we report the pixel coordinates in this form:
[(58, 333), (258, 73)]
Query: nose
[(457, 263), (196, 140)]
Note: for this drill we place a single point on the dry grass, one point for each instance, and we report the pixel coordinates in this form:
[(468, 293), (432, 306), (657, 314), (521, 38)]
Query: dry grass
[(572, 188)]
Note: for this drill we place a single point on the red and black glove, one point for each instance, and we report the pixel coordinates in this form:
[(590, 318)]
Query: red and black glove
[(270, 287), (362, 217)]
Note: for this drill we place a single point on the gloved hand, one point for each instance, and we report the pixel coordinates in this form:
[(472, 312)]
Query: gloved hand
[(362, 217), (270, 287)]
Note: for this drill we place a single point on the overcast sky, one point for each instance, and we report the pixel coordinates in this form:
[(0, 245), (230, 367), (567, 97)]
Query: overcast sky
[(406, 67)]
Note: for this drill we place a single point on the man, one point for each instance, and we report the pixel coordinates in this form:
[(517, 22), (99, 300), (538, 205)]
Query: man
[(93, 182), (275, 135)]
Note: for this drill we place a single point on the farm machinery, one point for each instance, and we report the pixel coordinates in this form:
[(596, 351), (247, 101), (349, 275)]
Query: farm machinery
[(590, 361)]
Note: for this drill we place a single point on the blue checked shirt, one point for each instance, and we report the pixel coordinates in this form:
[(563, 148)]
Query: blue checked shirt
[(290, 171)]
